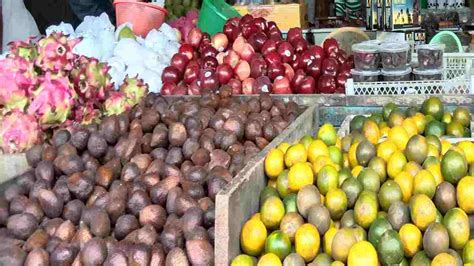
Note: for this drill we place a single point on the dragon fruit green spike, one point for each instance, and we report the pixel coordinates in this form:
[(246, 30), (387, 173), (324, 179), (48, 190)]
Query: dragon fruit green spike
[(21, 70), (26, 50), (116, 103), (55, 53), (18, 132), (11, 95), (134, 89), (53, 100), (91, 79)]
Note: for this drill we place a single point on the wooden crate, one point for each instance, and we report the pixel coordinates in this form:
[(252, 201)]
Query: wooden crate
[(286, 16), (240, 199)]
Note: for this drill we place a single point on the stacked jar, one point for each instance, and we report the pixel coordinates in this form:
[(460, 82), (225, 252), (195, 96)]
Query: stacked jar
[(395, 61), (366, 62), (430, 62)]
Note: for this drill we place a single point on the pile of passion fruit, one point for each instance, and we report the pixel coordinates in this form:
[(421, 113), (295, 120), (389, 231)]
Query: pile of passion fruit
[(394, 191)]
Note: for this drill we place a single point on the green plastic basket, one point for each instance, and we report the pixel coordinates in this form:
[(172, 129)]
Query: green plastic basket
[(450, 40), (214, 14)]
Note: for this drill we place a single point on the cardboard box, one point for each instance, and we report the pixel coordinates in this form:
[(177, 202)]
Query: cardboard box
[(286, 16)]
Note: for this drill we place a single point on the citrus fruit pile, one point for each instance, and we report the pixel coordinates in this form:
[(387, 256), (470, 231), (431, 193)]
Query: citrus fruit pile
[(430, 119), (365, 200)]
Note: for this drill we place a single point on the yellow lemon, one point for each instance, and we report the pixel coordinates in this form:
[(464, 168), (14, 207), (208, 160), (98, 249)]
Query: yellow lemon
[(405, 181), (468, 148), (307, 241), (395, 164), (299, 176), (386, 149), (411, 239), (274, 163), (400, 136), (356, 171), (320, 162), (435, 170), (317, 148), (410, 127), (445, 146), (362, 253), (328, 237), (253, 236), (283, 146), (295, 154), (269, 259), (352, 155)]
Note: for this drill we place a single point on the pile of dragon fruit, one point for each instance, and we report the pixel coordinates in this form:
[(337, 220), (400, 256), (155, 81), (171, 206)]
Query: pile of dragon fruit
[(44, 85), (252, 57)]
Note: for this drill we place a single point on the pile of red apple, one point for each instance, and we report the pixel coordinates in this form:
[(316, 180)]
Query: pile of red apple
[(251, 57)]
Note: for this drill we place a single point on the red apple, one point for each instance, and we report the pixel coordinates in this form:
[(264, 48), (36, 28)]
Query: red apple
[(263, 85), (257, 40), (314, 68), (220, 41), (258, 67), (293, 34), (330, 66), (289, 71), (191, 73), (330, 46), (238, 44), (275, 70), (187, 50), (171, 74), (236, 86), (242, 70), (272, 58), (269, 46), (224, 73), (181, 89), (317, 52), (260, 23), (286, 52), (300, 45), (326, 84), (209, 62), (195, 37), (247, 52), (298, 78), (232, 58), (209, 80), (281, 85), (307, 86), (248, 86), (220, 57), (167, 88), (231, 31), (208, 50), (194, 88), (179, 61)]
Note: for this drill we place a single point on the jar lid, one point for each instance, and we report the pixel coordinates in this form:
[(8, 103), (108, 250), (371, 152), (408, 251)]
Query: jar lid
[(367, 73), (394, 47), (374, 42), (419, 71), (401, 72), (434, 46), (365, 48)]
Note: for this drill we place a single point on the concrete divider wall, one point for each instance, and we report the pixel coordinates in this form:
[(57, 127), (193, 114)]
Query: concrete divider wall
[(240, 199)]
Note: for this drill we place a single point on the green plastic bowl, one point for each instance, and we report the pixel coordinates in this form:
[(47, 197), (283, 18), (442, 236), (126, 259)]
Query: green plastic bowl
[(450, 40), (214, 14)]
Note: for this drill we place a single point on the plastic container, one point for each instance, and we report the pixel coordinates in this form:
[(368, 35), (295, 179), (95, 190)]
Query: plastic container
[(394, 56), (366, 56), (397, 75), (430, 56), (214, 14), (365, 76), (428, 74), (143, 16)]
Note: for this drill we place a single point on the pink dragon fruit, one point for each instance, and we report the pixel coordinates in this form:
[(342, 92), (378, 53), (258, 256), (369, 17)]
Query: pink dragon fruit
[(21, 70), (86, 114), (18, 132), (116, 103), (26, 50), (134, 89), (55, 53), (53, 100), (11, 95), (91, 79)]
